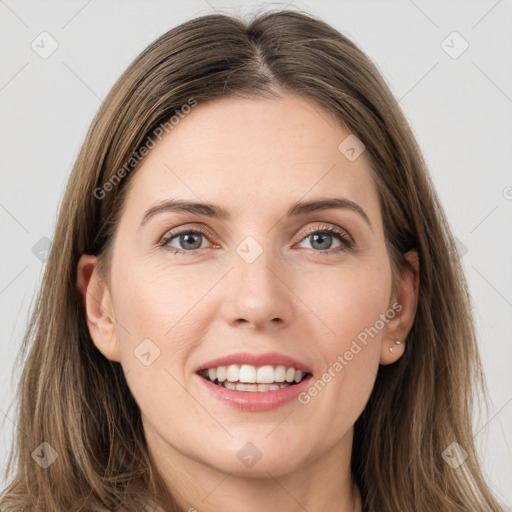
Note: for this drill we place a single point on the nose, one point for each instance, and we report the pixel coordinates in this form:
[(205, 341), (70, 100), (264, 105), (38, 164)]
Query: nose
[(257, 292)]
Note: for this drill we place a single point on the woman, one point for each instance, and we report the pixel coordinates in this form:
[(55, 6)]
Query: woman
[(312, 349)]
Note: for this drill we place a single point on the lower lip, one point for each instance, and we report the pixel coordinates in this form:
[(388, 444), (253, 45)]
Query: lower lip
[(255, 401)]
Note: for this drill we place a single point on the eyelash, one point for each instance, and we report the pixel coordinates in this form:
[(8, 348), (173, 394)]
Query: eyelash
[(339, 234)]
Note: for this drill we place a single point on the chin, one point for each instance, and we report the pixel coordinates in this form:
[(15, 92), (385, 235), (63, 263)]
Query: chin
[(253, 460)]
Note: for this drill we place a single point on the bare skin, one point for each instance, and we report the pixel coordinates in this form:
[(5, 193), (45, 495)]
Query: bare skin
[(255, 158)]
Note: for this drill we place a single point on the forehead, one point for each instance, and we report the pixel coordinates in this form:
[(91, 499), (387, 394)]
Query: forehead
[(253, 154)]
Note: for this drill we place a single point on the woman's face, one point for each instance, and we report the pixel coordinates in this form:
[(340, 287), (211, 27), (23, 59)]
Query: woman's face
[(259, 281)]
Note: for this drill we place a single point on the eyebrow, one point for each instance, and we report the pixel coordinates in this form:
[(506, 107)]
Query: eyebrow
[(218, 212)]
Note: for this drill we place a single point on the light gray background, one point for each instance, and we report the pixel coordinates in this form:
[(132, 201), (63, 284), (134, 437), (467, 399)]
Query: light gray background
[(460, 110)]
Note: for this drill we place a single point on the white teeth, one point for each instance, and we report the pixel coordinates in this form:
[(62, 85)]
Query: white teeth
[(247, 373), (221, 373), (280, 374), (253, 387), (265, 375), (233, 373), (268, 377)]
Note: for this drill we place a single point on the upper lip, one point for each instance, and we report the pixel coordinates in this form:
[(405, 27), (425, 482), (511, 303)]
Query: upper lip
[(267, 358)]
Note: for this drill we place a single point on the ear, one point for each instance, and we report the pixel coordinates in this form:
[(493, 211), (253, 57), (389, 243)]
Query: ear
[(98, 307), (405, 300)]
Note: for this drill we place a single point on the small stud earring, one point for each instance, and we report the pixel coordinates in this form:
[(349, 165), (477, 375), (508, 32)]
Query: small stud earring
[(397, 342)]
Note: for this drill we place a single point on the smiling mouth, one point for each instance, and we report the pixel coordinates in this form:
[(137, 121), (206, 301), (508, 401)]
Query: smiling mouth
[(250, 378)]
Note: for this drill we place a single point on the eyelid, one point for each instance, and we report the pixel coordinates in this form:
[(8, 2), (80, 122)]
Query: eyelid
[(329, 228), (170, 234)]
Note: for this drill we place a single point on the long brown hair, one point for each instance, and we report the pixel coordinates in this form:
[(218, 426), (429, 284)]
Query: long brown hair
[(77, 401)]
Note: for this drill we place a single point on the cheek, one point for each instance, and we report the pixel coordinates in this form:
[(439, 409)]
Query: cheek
[(350, 306), (162, 301), (155, 296), (157, 330), (346, 302), (158, 303)]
